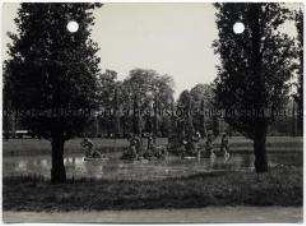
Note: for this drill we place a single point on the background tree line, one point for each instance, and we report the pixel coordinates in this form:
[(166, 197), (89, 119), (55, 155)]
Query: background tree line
[(144, 103)]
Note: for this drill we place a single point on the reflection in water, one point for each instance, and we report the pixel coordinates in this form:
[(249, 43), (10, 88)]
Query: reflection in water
[(115, 168)]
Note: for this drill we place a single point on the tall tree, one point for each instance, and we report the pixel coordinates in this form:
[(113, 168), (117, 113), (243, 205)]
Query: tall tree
[(202, 106), (255, 66), (185, 124), (109, 98), (145, 91), (51, 76), (299, 21)]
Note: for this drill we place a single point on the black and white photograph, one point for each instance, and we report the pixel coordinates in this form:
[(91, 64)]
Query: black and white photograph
[(152, 112)]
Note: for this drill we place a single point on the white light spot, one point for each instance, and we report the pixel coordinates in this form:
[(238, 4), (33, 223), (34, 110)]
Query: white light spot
[(238, 28), (72, 26)]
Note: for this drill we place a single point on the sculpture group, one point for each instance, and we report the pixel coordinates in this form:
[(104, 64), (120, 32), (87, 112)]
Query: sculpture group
[(146, 147)]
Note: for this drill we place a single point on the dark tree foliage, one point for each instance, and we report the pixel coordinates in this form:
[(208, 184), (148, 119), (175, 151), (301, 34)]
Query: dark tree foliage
[(202, 107), (146, 95), (300, 46), (185, 125), (110, 99), (135, 105), (255, 66), (51, 76)]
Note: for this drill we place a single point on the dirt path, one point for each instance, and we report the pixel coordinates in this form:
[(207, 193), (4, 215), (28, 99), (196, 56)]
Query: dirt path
[(203, 215)]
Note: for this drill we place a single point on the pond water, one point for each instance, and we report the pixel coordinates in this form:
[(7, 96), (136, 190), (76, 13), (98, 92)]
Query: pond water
[(114, 168)]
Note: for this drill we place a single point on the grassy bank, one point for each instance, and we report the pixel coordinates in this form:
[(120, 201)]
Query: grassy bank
[(281, 186)]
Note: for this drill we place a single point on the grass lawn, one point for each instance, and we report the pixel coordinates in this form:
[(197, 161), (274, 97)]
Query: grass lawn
[(282, 186)]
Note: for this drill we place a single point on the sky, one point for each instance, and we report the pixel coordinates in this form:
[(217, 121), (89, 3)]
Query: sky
[(171, 38)]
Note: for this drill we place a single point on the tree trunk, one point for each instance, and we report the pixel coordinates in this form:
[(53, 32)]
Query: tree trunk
[(58, 172), (258, 77), (260, 151)]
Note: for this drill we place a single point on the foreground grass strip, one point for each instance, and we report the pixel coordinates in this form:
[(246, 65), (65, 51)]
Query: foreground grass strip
[(281, 186)]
